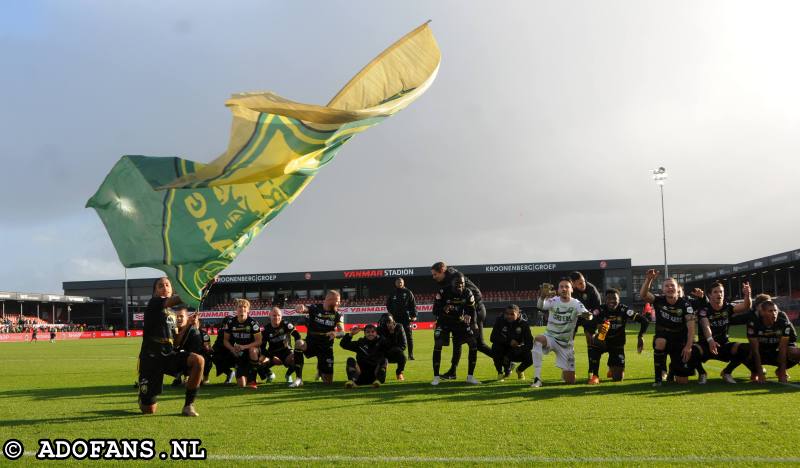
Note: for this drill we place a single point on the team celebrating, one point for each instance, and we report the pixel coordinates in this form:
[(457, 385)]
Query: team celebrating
[(689, 330)]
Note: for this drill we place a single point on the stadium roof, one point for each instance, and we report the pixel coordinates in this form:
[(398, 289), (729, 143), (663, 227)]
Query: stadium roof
[(40, 297)]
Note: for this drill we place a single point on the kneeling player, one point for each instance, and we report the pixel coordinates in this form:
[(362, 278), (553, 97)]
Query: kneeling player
[(224, 360), (243, 338), (613, 317), (454, 309), (157, 358), (395, 336), (716, 317), (675, 326), (558, 337), (324, 324), (511, 342), (277, 349), (369, 365), (770, 336)]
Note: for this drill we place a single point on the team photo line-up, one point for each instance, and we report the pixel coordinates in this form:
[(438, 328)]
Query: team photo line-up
[(690, 330)]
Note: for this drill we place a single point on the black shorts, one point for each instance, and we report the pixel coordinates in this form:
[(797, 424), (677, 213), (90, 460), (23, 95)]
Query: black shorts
[(460, 331), (322, 349), (674, 348), (724, 351), (616, 352), (152, 367), (282, 354)]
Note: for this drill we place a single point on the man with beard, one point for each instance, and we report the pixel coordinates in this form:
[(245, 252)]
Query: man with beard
[(369, 365), (395, 338)]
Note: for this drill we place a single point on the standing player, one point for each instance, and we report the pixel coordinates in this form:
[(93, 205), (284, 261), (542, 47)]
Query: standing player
[(715, 317), (770, 336), (443, 275), (563, 315), (587, 293), (395, 338), (242, 339), (675, 327), (207, 352), (511, 342), (156, 356), (403, 307), (35, 334), (369, 365), (324, 324), (613, 317), (277, 348), (52, 335), (454, 309)]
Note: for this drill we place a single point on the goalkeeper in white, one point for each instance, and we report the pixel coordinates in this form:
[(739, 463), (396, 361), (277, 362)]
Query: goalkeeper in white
[(564, 312)]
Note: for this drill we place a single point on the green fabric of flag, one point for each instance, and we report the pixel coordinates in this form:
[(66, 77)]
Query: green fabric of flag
[(191, 220)]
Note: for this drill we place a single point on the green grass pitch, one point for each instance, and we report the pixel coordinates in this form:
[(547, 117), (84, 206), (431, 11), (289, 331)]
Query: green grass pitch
[(84, 389)]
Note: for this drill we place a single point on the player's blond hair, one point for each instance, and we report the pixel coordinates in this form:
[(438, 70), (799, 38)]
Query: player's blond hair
[(241, 302)]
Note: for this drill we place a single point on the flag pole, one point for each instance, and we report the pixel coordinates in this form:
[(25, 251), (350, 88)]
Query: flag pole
[(126, 300)]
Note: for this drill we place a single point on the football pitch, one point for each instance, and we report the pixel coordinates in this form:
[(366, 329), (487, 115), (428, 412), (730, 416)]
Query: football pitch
[(84, 389)]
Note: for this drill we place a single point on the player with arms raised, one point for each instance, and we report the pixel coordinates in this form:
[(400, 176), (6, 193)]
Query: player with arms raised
[(564, 312), (324, 325), (675, 327)]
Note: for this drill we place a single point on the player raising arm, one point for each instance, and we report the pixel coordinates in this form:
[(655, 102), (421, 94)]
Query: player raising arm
[(369, 365), (675, 327), (324, 325), (564, 312)]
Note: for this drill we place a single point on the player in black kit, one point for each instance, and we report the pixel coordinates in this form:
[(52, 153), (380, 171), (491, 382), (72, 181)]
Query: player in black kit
[(589, 296), (443, 275), (276, 349), (243, 339), (511, 342), (454, 309), (395, 337), (771, 337), (715, 317), (224, 360), (369, 365), (675, 328), (324, 324), (403, 307), (613, 317), (188, 340), (157, 358)]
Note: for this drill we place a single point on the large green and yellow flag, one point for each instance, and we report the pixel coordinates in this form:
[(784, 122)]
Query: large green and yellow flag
[(191, 220)]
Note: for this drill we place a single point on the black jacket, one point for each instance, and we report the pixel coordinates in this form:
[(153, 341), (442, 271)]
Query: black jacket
[(402, 305)]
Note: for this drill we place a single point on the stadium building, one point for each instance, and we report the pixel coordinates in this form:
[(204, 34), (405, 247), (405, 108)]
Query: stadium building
[(364, 291)]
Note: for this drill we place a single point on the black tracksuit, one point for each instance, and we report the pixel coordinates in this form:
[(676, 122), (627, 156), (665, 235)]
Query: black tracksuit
[(403, 308), (504, 352)]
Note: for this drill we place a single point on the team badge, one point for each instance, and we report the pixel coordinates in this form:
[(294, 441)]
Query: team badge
[(630, 312)]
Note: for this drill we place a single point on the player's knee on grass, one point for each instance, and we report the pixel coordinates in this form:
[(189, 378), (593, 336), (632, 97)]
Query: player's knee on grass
[(617, 373), (148, 409), (568, 376), (681, 380)]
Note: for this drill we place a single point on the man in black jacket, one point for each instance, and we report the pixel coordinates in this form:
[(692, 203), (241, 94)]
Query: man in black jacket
[(395, 338), (454, 309), (511, 342), (443, 275), (403, 307), (369, 365)]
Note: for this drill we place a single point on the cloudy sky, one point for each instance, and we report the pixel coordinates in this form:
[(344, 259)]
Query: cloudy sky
[(535, 143)]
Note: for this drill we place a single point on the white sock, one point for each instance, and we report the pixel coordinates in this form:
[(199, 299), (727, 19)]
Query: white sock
[(537, 360)]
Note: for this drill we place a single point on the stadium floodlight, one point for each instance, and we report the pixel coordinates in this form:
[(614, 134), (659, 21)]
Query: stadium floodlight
[(660, 176)]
